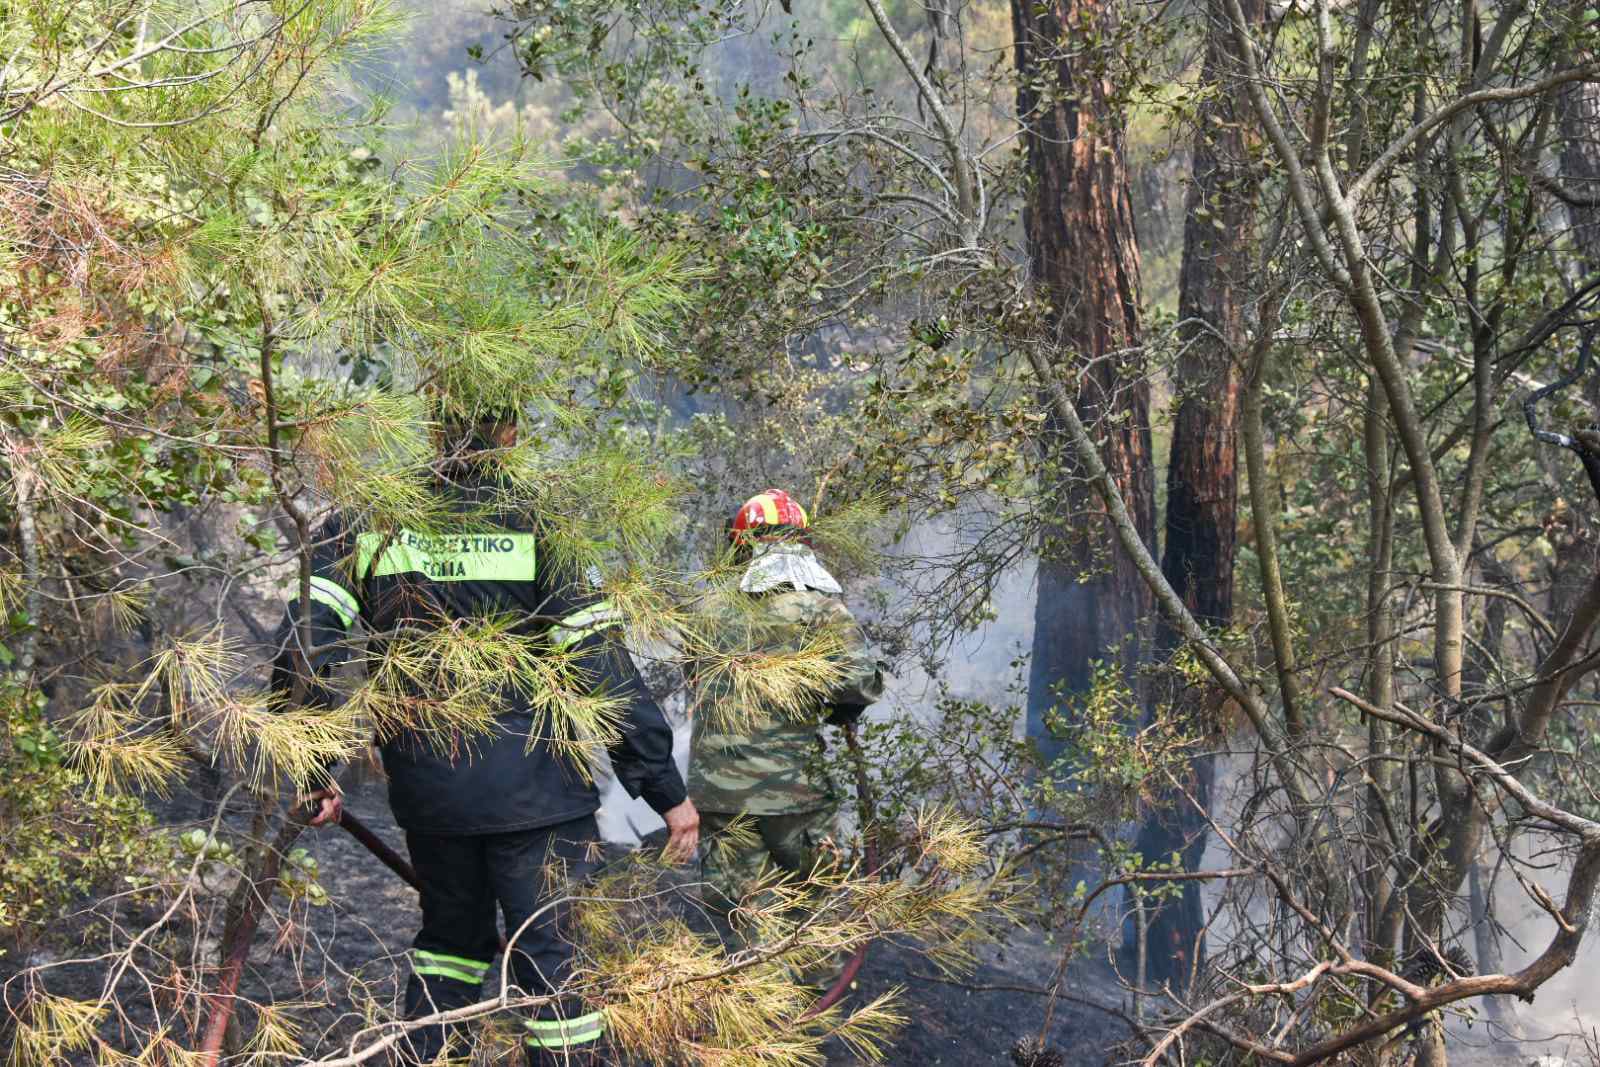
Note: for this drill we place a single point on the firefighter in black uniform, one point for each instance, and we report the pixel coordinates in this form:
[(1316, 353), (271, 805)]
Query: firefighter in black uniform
[(488, 819)]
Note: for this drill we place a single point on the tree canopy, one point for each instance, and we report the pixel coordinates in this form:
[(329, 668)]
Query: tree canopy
[(1301, 732)]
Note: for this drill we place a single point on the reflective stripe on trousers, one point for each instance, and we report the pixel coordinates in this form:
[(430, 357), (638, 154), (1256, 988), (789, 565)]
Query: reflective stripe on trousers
[(565, 1033), (457, 967)]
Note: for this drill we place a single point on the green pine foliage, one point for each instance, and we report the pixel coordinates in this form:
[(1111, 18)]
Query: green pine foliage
[(221, 300)]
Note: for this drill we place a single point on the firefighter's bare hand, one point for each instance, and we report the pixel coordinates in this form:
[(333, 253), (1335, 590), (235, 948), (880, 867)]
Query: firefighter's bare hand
[(683, 827), (329, 804)]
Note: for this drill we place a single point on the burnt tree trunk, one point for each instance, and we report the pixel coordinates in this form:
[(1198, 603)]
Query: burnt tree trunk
[(1571, 526), (1085, 267), (1580, 167), (1202, 471)]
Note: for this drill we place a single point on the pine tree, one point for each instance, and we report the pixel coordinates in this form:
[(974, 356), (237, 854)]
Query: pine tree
[(223, 299)]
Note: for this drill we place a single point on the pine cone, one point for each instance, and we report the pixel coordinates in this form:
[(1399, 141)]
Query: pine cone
[(1424, 966), (1026, 1053)]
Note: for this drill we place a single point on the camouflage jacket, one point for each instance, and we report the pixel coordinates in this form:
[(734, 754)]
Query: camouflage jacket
[(754, 756)]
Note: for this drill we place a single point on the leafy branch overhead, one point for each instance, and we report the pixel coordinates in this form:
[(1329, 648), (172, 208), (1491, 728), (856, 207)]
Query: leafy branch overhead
[(1300, 737), (229, 305)]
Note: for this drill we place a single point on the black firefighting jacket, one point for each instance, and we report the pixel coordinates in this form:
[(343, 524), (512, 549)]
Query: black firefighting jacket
[(396, 581)]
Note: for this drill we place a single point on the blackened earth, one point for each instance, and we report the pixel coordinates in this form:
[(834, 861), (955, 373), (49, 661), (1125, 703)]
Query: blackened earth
[(992, 1014)]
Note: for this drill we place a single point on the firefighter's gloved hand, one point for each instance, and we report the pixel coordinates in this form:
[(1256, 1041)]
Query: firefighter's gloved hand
[(329, 804), (683, 825)]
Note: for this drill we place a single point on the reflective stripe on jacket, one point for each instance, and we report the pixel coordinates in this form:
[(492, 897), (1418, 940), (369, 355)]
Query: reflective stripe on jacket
[(510, 779)]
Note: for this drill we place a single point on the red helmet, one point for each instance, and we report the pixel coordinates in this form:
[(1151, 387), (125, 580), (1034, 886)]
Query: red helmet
[(767, 514)]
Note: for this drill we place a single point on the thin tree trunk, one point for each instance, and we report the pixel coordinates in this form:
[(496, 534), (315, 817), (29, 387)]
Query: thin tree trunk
[(1202, 472), (1572, 528), (1385, 908), (1506, 1028), (245, 906), (24, 490), (28, 536), (1085, 262), (1262, 521), (1453, 838), (1482, 677), (1580, 166)]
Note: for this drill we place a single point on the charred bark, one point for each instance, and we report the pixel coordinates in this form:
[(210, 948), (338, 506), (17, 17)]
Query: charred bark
[(1570, 525), (1580, 167), (1085, 264), (1202, 472)]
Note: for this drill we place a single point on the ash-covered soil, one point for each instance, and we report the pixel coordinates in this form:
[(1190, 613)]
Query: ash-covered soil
[(975, 1022), (325, 961)]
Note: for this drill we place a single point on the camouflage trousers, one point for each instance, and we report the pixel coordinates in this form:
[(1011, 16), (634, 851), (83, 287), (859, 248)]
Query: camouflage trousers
[(759, 847), (757, 850)]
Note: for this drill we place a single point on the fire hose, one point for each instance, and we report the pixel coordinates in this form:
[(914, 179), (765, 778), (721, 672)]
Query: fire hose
[(375, 845), (864, 808), (386, 855)]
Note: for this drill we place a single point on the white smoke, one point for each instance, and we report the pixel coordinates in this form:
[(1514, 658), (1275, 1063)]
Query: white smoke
[(1571, 999)]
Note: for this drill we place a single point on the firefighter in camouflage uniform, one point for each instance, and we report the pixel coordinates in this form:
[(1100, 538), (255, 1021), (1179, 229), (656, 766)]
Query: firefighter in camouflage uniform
[(761, 766)]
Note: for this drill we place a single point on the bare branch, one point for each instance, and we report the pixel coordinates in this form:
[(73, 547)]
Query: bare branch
[(1398, 147), (960, 164)]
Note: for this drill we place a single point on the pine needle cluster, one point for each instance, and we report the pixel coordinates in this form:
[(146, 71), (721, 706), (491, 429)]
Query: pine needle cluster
[(220, 297), (51, 1028), (677, 995)]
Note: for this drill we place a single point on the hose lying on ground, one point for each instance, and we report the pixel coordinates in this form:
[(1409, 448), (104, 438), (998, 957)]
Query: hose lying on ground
[(852, 967)]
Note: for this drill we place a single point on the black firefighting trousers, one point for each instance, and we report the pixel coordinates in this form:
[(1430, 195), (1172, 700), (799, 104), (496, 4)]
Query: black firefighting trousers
[(463, 878)]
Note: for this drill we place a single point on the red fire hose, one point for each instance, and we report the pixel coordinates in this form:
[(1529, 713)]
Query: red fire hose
[(852, 967), (374, 844)]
